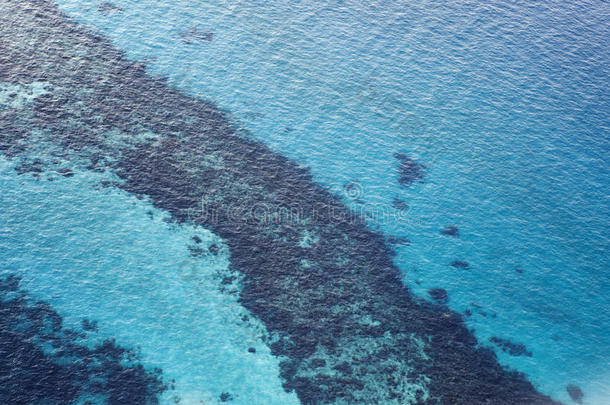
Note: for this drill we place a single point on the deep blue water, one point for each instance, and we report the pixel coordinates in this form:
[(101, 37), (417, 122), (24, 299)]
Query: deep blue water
[(506, 105)]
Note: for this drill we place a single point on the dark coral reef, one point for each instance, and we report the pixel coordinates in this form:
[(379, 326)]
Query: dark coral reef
[(512, 348), (409, 171), (333, 302), (41, 362)]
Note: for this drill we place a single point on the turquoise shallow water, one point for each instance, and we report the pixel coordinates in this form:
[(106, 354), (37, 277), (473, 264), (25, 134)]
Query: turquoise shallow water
[(506, 105)]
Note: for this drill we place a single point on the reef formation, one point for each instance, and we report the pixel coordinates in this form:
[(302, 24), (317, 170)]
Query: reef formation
[(346, 328), (41, 362), (512, 348), (409, 171)]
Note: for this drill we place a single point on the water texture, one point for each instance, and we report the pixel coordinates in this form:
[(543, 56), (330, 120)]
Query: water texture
[(478, 164)]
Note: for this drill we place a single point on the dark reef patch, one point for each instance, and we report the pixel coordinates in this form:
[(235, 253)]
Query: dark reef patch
[(89, 326), (460, 264), (64, 171), (196, 251), (109, 8), (512, 348), (409, 171), (575, 393), (317, 363), (439, 295), (194, 35), (399, 204), (42, 362), (450, 230), (35, 167), (340, 299)]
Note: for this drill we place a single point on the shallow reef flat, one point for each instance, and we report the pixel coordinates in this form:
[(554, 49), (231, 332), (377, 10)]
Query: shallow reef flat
[(41, 361), (325, 286)]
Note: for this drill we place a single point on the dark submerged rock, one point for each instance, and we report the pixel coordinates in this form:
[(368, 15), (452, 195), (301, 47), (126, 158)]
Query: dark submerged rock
[(317, 363), (344, 368), (213, 249), (575, 393), (65, 172), (399, 204), (196, 251), (226, 397), (460, 264), (514, 349), (89, 326), (194, 35), (409, 170), (108, 8), (450, 230), (439, 295), (34, 167)]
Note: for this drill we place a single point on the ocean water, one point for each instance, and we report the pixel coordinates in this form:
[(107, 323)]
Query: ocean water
[(506, 106)]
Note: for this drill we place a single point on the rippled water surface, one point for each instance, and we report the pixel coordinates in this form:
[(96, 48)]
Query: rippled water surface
[(475, 137)]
